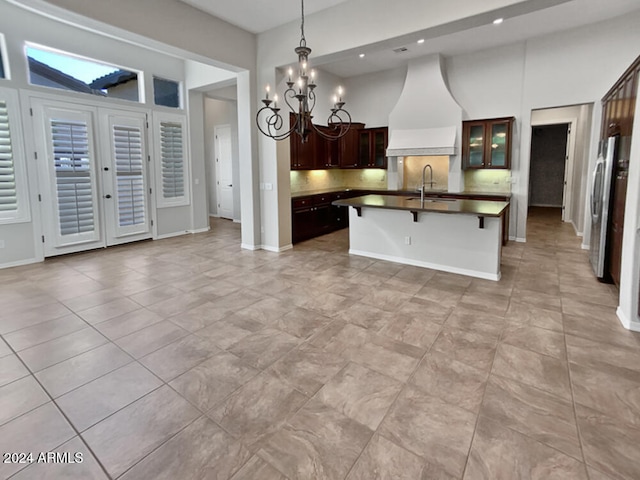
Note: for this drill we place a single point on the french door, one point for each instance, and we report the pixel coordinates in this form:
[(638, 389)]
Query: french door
[(93, 176)]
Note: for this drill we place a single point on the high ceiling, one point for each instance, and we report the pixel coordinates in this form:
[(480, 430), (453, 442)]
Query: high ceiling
[(473, 34), (258, 16)]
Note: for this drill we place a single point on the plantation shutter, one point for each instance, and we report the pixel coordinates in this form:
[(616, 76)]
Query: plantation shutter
[(172, 158), (129, 165), (74, 186), (8, 190)]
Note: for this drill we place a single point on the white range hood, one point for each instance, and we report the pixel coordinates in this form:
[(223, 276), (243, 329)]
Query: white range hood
[(422, 141)]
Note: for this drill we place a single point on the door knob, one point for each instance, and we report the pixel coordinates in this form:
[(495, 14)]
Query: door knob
[(107, 196), (106, 169), (230, 185)]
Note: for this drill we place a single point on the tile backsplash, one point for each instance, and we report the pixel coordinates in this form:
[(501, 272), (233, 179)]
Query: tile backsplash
[(498, 181), (307, 180), (412, 175)]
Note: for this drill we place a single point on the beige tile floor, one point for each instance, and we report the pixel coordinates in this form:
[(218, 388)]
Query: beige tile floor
[(189, 358)]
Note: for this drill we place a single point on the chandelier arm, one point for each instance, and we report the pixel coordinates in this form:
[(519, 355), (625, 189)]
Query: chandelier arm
[(336, 114), (312, 101), (272, 124), (289, 93), (328, 136)]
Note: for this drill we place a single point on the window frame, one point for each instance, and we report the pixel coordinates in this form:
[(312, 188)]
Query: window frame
[(4, 59), (180, 92), (140, 79), (185, 199), (22, 214)]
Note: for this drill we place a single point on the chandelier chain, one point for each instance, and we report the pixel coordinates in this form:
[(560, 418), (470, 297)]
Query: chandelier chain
[(303, 40)]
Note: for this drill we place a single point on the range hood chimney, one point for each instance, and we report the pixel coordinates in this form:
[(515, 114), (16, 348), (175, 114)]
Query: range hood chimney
[(426, 120)]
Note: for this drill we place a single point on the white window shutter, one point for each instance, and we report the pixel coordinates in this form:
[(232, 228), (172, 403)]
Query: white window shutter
[(8, 190), (129, 165), (74, 186), (14, 195), (172, 160), (172, 154)]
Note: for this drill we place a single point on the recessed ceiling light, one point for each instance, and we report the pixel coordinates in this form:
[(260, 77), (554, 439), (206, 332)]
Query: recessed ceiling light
[(362, 55), (498, 21), (421, 40)]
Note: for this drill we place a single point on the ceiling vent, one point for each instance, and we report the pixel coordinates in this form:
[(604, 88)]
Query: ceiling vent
[(400, 50)]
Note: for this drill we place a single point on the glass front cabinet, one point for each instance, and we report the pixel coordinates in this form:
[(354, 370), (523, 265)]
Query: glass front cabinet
[(487, 143)]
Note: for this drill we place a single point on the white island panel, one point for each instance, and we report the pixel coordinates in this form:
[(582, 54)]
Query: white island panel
[(449, 242)]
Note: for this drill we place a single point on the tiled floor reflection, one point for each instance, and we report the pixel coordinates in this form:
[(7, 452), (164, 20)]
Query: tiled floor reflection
[(189, 358)]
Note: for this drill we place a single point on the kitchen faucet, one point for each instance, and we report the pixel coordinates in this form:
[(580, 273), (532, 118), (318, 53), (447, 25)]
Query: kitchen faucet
[(431, 182)]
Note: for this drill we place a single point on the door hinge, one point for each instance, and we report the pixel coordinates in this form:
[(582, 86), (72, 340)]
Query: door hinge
[(35, 155), (31, 111), (152, 223), (39, 197), (148, 158), (42, 238), (150, 191)]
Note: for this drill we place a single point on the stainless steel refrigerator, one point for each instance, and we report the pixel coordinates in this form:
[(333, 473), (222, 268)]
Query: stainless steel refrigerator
[(600, 204)]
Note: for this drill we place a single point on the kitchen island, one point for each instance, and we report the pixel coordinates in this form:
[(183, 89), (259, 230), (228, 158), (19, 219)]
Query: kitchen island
[(452, 235)]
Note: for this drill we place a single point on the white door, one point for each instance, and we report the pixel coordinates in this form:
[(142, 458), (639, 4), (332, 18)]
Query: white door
[(67, 168), (224, 171), (93, 176), (124, 176)]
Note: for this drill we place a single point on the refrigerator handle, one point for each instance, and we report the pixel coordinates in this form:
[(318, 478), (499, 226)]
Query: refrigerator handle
[(594, 199)]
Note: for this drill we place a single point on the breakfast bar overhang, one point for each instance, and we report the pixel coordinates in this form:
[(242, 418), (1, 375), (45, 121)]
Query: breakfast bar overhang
[(457, 236)]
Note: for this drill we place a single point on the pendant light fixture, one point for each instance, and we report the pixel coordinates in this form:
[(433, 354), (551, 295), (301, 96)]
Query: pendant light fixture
[(302, 91)]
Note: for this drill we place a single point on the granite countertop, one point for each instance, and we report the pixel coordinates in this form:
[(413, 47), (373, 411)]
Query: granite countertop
[(381, 191), (484, 208)]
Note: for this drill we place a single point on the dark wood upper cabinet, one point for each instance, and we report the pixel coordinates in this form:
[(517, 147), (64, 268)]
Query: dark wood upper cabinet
[(487, 143), (372, 147), (303, 155), (349, 147), (327, 151)]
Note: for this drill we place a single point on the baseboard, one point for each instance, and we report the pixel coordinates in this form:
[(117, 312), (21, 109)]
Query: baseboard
[(520, 240), (575, 229), (277, 249), (200, 230), (585, 246), (433, 266), (237, 221), (246, 246), (633, 325), (20, 263), (171, 235)]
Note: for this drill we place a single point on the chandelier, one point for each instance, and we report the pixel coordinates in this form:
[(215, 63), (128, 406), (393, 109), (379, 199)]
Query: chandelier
[(302, 90)]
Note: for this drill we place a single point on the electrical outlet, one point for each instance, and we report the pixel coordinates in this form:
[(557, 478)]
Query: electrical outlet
[(407, 240)]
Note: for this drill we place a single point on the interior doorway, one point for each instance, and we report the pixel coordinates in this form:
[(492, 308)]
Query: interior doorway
[(549, 166), (224, 171)]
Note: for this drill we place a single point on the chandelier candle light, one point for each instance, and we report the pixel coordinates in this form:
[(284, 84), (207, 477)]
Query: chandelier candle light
[(302, 90)]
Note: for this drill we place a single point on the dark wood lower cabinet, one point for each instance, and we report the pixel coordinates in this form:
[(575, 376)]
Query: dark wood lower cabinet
[(314, 215)]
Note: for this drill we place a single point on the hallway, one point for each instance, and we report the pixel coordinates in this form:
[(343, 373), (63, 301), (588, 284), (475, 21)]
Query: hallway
[(190, 358)]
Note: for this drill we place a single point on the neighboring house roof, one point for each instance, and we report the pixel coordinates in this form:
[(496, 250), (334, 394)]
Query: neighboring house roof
[(56, 76), (113, 79)]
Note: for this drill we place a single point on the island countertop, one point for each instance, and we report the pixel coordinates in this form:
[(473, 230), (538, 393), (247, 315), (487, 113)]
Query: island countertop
[(483, 208)]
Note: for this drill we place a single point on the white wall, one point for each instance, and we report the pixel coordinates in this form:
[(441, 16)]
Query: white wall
[(168, 22), (199, 212), (371, 97), (630, 274), (221, 112), (20, 26)]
